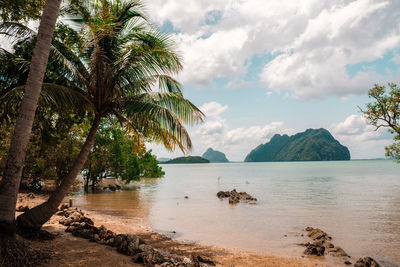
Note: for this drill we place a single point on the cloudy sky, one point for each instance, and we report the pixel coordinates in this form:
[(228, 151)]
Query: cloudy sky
[(261, 67)]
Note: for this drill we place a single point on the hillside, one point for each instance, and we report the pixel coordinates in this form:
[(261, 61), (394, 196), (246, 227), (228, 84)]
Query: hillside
[(311, 145), (215, 156), (188, 159)]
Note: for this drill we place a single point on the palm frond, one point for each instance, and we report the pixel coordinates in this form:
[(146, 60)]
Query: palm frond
[(16, 30)]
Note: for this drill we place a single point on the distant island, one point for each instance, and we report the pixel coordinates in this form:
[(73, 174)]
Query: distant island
[(311, 145), (163, 159), (215, 156), (188, 159)]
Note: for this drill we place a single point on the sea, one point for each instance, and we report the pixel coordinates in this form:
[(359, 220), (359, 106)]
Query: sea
[(356, 202)]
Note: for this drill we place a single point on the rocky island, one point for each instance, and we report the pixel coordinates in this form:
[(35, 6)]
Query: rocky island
[(311, 145), (188, 159), (215, 156)]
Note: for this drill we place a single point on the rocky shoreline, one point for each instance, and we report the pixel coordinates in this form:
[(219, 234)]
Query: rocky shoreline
[(85, 238), (322, 243), (82, 226)]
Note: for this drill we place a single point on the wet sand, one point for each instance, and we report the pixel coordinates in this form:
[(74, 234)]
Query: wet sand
[(67, 250)]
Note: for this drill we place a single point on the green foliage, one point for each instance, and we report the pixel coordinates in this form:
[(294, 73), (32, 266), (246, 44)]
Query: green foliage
[(16, 10), (215, 156), (384, 111), (119, 154), (55, 141), (188, 159), (311, 145)]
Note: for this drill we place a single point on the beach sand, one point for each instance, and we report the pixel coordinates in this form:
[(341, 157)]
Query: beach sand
[(67, 250)]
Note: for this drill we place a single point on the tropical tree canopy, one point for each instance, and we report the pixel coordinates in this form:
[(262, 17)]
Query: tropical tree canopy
[(110, 63), (384, 111)]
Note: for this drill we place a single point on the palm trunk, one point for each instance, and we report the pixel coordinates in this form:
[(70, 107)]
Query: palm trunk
[(36, 217), (9, 185)]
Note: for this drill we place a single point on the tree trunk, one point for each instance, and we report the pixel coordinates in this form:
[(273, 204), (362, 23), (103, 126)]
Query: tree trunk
[(86, 187), (9, 185), (93, 184), (37, 216)]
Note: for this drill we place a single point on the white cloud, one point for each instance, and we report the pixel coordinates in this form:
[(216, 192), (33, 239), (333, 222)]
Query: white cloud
[(236, 143), (316, 39), (354, 132), (360, 137), (213, 109)]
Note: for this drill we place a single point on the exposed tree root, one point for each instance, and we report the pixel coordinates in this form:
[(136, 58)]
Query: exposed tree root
[(19, 253), (36, 235)]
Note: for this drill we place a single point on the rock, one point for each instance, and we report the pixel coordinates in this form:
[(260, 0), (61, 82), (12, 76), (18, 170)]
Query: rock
[(118, 187), (112, 188), (337, 252), (309, 228), (366, 262), (96, 238), (318, 234), (319, 243), (347, 263), (223, 194), (236, 197), (314, 250), (233, 200), (63, 206), (305, 244), (328, 244), (206, 261), (186, 197), (31, 195)]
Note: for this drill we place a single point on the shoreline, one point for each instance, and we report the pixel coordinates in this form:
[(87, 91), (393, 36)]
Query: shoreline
[(68, 250)]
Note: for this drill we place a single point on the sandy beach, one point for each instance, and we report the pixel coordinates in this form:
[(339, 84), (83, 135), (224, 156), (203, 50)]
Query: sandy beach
[(68, 250)]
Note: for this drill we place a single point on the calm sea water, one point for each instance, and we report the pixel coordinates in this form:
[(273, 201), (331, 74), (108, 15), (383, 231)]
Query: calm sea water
[(356, 202)]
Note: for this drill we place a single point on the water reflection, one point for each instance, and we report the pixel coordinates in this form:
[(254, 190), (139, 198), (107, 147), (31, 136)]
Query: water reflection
[(358, 203)]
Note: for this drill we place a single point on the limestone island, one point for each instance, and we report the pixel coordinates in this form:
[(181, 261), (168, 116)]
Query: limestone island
[(311, 145), (215, 156), (188, 159)]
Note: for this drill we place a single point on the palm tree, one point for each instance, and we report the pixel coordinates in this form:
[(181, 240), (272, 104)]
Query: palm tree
[(10, 181), (120, 62)]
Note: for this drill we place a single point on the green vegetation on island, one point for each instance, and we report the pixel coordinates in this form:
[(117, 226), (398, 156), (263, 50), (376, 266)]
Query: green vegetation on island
[(215, 156), (163, 159), (311, 145), (188, 159)]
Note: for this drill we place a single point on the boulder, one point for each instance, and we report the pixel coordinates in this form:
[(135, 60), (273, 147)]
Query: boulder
[(233, 200), (223, 194), (318, 234), (63, 206), (366, 262), (313, 249), (337, 252), (236, 197), (328, 244)]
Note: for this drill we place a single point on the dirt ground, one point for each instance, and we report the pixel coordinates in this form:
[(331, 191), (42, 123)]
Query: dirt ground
[(67, 250)]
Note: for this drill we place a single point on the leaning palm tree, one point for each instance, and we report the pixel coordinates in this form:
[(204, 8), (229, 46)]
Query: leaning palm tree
[(123, 69), (12, 175)]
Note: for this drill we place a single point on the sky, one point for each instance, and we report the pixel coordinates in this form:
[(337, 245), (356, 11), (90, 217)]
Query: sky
[(260, 67)]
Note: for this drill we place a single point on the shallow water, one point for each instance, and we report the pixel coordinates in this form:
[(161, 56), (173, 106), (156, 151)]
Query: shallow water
[(356, 202)]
